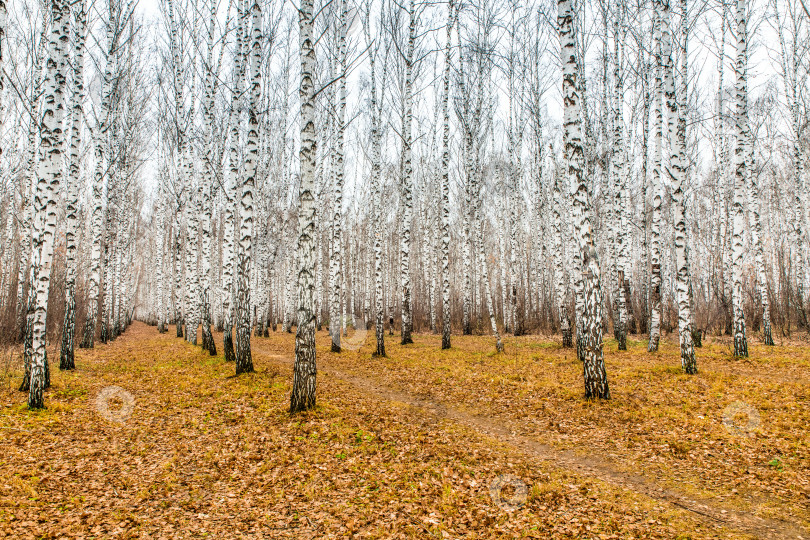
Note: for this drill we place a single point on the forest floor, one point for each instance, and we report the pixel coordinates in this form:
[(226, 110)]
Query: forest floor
[(425, 443)]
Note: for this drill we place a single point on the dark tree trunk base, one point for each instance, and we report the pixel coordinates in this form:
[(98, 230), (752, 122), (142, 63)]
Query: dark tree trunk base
[(47, 383), (244, 359), (697, 338), (67, 361), (87, 337), (740, 347), (245, 366), (305, 372), (227, 344), (689, 367), (208, 343), (567, 339), (767, 336), (66, 356), (379, 333)]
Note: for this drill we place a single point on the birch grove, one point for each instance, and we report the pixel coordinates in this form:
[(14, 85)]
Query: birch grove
[(66, 360), (606, 173)]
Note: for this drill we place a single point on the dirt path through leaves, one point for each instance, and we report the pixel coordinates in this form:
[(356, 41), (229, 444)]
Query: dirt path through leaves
[(585, 465)]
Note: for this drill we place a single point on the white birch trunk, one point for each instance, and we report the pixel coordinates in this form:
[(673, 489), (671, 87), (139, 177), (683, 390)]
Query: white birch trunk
[(559, 270), (335, 277), (676, 127), (66, 360), (742, 141), (596, 385), (208, 178), (407, 182), (657, 189), (244, 359), (619, 183), (49, 178), (229, 191), (303, 395), (445, 179)]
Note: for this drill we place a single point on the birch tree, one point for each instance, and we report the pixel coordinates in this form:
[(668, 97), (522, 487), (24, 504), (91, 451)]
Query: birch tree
[(676, 126), (207, 186), (229, 189), (66, 360), (740, 179), (619, 180), (596, 385), (560, 275), (335, 276), (657, 188), (376, 135), (49, 179), (244, 359), (305, 371), (452, 13), (407, 178)]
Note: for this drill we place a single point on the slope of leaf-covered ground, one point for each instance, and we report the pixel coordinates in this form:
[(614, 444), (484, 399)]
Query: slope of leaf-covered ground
[(204, 454), (735, 434)]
